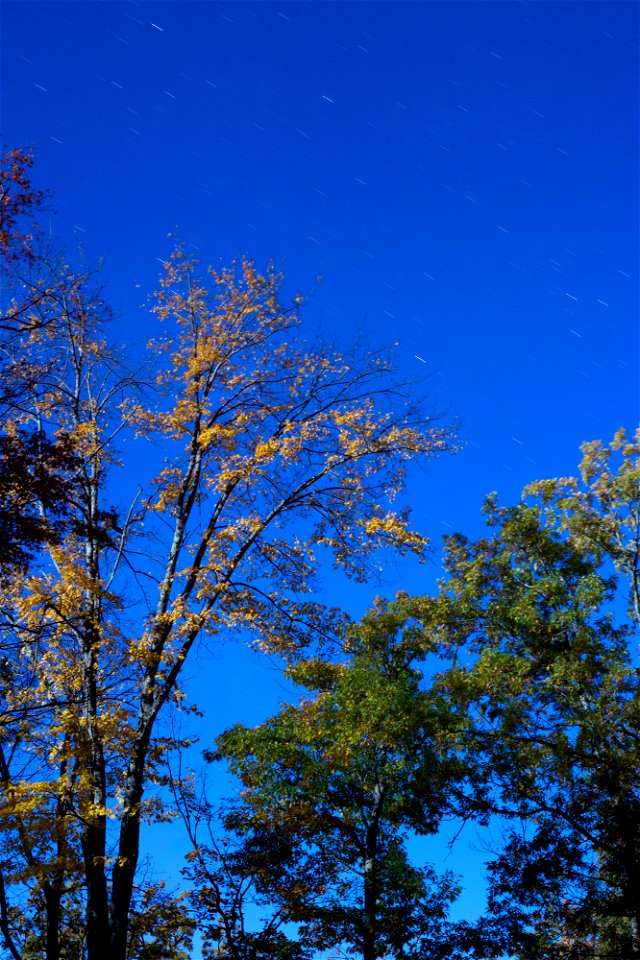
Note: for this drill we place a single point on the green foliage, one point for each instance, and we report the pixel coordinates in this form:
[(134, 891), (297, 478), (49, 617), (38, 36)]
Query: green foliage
[(334, 785), (552, 683), (530, 723)]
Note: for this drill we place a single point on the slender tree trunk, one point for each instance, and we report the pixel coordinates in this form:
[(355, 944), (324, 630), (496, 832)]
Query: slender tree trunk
[(370, 899), (369, 930), (94, 835), (5, 929), (52, 905), (94, 838)]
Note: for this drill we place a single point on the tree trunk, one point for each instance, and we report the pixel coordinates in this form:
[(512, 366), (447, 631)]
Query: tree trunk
[(4, 923), (635, 936), (122, 892), (124, 869), (627, 822), (52, 906), (94, 834), (634, 909), (369, 928), (370, 899), (97, 917)]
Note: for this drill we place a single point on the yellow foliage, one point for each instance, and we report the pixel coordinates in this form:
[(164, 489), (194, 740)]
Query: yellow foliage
[(258, 448)]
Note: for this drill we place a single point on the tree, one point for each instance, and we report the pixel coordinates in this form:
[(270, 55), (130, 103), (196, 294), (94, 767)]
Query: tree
[(35, 284), (271, 453), (548, 668), (330, 789)]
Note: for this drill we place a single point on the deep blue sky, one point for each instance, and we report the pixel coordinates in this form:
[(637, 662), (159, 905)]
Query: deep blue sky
[(464, 176)]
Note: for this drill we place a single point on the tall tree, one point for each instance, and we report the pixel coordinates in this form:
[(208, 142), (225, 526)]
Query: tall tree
[(268, 450), (331, 788), (548, 661)]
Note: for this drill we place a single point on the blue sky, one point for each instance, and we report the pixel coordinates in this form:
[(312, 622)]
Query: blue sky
[(463, 176)]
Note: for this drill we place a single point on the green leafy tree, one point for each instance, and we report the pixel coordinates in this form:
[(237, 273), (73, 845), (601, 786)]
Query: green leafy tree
[(332, 787), (548, 664)]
